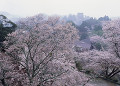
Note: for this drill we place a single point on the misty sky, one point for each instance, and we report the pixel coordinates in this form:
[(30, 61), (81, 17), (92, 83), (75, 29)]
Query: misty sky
[(94, 8)]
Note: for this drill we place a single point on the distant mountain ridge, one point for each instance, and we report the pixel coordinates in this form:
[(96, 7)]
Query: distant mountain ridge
[(12, 17), (77, 19)]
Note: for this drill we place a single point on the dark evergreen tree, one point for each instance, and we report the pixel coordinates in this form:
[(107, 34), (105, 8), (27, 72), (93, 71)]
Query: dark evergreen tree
[(6, 27), (105, 18)]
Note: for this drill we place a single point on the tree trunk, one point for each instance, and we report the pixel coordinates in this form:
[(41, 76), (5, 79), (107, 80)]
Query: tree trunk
[(3, 82)]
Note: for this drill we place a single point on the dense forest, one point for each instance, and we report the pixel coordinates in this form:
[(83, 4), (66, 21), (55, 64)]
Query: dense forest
[(60, 51)]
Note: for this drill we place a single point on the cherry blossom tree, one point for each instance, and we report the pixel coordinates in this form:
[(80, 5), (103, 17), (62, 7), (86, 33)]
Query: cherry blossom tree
[(98, 42), (112, 36), (37, 50), (99, 63), (4, 68)]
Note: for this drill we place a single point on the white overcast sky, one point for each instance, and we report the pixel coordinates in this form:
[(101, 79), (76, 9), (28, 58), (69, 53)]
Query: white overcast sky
[(94, 8)]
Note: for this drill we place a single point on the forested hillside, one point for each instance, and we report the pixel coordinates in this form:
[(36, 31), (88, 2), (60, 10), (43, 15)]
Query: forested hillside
[(47, 51)]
